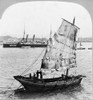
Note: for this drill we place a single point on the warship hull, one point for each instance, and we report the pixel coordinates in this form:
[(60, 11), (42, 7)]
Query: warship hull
[(40, 85), (23, 45)]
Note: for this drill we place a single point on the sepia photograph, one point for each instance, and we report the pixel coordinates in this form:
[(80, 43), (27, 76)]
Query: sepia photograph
[(46, 50)]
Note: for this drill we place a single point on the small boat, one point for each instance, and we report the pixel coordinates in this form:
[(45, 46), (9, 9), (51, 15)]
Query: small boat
[(80, 47), (58, 59), (90, 48)]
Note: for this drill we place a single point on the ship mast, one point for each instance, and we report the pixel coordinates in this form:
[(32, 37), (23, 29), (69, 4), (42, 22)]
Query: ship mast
[(67, 71), (74, 21), (23, 35), (50, 38)]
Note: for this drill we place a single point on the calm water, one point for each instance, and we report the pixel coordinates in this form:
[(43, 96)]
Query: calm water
[(13, 61)]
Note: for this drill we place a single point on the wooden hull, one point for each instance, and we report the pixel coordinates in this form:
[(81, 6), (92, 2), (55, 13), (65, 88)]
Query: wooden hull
[(47, 85)]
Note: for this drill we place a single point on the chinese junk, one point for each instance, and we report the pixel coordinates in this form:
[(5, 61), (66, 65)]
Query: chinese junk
[(58, 58)]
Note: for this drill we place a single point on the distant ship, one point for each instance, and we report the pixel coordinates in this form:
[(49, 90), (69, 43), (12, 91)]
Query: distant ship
[(80, 47), (58, 59), (90, 48), (24, 43)]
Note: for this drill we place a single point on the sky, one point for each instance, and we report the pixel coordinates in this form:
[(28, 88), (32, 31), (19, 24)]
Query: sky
[(40, 17)]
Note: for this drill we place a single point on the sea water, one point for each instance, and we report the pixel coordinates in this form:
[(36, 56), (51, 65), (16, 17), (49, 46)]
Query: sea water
[(14, 61)]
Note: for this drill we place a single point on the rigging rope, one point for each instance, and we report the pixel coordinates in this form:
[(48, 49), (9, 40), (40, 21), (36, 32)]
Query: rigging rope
[(25, 71), (32, 63)]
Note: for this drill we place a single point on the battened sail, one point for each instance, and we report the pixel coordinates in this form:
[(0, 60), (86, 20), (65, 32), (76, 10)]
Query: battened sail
[(60, 52)]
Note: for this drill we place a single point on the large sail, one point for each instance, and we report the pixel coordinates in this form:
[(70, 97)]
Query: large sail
[(60, 52)]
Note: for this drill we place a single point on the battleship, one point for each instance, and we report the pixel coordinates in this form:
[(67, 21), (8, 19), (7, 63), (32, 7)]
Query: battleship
[(25, 43), (58, 59)]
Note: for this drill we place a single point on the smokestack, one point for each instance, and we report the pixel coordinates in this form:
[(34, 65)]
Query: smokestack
[(33, 37), (26, 37)]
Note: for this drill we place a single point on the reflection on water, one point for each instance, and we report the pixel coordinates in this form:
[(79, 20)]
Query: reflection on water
[(70, 92)]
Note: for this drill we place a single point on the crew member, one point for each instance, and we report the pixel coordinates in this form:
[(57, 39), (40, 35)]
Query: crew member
[(41, 74), (57, 65), (61, 59), (30, 75), (37, 73)]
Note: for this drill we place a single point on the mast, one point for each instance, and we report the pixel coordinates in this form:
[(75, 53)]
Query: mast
[(67, 71), (24, 34), (50, 31), (22, 40), (74, 21), (50, 39)]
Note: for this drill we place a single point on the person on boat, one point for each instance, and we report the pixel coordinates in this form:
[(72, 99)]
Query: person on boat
[(30, 76), (41, 74), (37, 73), (57, 65), (63, 76), (34, 76), (44, 63), (61, 59)]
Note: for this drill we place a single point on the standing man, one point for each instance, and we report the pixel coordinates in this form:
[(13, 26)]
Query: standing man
[(57, 65)]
